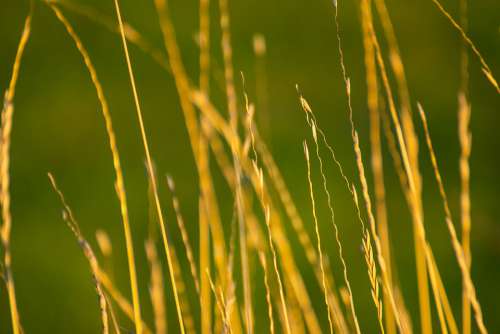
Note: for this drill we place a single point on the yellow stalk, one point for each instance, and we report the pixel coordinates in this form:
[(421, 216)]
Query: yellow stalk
[(152, 178), (486, 69), (372, 274), (457, 247), (123, 304), (312, 123), (120, 186), (233, 121), (156, 288), (259, 173), (413, 196), (6, 129), (87, 251), (289, 265), (316, 228), (184, 234), (262, 260), (204, 202), (452, 325), (465, 138), (376, 153), (291, 210)]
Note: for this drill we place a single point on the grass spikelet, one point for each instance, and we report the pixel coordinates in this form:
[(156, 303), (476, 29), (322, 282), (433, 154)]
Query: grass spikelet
[(197, 141), (151, 176), (316, 228), (409, 151), (6, 128), (205, 294), (123, 304), (156, 291), (207, 204), (285, 197), (376, 151), (88, 252), (247, 290), (465, 139), (311, 117), (119, 183), (372, 274), (284, 247), (184, 234), (457, 247), (314, 130), (219, 300), (187, 314), (267, 216), (263, 263), (371, 219)]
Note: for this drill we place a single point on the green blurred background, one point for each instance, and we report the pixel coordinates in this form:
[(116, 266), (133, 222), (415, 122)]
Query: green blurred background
[(58, 127)]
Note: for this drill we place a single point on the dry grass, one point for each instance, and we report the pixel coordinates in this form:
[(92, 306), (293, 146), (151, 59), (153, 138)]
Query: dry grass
[(225, 270), (6, 129)]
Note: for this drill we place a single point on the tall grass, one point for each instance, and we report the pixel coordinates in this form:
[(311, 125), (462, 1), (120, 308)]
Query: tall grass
[(260, 249)]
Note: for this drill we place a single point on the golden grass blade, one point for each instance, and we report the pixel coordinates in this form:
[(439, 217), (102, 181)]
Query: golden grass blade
[(233, 122), (314, 130), (437, 299), (156, 291), (316, 228), (245, 267), (205, 294), (367, 241), (409, 160), (185, 236), (187, 313), (119, 183), (405, 321), (123, 304), (376, 152), (380, 257), (485, 68), (312, 123), (464, 111), (220, 304), (258, 172), (6, 128), (262, 260), (452, 325), (298, 226), (88, 252), (289, 265), (465, 139), (310, 115), (205, 203), (457, 247), (372, 274), (112, 314), (102, 19), (151, 176), (204, 81), (205, 45), (184, 91)]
